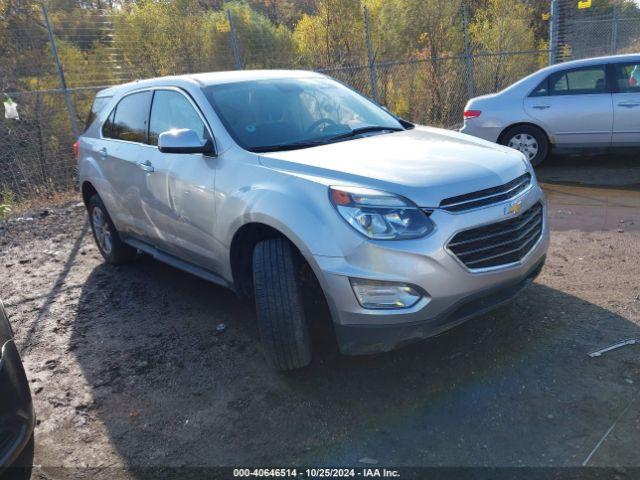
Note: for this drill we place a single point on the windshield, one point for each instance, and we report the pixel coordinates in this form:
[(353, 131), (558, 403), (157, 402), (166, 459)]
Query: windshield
[(264, 115)]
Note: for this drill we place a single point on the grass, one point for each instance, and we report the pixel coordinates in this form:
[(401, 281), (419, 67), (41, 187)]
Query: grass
[(11, 206)]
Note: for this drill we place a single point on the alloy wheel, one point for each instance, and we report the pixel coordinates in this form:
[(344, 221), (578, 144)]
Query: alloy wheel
[(102, 230), (525, 143)]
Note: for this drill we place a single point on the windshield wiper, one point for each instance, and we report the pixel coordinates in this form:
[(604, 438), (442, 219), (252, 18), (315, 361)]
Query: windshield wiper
[(286, 146), (314, 143), (358, 131)]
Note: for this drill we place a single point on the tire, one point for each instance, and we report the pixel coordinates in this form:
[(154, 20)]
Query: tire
[(528, 139), (22, 467), (114, 250), (279, 301)]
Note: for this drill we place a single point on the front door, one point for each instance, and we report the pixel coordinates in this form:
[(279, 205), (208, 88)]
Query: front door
[(626, 105), (575, 107), (180, 191)]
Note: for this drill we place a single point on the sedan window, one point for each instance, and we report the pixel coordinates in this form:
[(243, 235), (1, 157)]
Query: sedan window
[(541, 90), (628, 77), (579, 81)]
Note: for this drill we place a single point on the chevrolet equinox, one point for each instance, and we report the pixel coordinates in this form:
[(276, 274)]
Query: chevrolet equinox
[(249, 179)]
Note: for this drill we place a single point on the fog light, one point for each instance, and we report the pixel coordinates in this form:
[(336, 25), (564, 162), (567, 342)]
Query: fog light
[(387, 295)]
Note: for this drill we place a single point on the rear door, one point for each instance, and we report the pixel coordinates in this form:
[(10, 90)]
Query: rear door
[(626, 104), (180, 192), (574, 106), (122, 155)]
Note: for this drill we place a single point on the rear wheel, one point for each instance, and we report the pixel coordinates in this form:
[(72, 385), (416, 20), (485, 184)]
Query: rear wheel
[(280, 305), (114, 250), (529, 140)]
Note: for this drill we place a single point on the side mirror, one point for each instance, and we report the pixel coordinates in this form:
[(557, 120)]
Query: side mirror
[(183, 140)]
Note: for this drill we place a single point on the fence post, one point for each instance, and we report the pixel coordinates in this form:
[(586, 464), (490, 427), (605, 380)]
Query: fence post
[(234, 41), (553, 32), (614, 31), (373, 74), (67, 96), (468, 59)]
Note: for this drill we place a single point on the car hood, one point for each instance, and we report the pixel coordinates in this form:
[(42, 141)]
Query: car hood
[(425, 165)]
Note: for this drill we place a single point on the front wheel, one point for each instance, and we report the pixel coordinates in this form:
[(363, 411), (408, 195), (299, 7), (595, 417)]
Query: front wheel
[(280, 305), (529, 140)]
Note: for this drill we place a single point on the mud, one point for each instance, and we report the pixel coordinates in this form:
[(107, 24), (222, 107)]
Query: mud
[(127, 368)]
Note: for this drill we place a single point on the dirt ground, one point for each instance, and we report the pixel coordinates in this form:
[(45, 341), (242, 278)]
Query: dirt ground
[(127, 369)]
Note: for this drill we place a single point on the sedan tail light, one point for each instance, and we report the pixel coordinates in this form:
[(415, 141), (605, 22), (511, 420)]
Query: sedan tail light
[(76, 147), (471, 114)]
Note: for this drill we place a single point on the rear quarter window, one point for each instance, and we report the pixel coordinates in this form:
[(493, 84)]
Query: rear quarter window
[(98, 104)]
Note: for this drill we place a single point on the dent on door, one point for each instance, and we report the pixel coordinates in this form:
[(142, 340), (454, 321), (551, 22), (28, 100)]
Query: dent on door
[(182, 202)]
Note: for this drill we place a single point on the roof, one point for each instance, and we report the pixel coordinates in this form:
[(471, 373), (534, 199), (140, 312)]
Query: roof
[(211, 78), (596, 60)]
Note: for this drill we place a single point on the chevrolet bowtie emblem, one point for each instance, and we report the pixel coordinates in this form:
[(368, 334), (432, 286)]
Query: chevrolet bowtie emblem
[(513, 209)]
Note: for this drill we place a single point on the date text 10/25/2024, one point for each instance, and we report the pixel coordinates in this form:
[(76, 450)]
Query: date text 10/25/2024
[(316, 473)]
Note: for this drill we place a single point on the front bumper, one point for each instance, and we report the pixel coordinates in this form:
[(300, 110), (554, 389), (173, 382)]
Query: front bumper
[(17, 418), (453, 293)]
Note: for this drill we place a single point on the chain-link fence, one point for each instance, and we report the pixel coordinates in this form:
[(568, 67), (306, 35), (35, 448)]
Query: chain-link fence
[(430, 85), (590, 32)]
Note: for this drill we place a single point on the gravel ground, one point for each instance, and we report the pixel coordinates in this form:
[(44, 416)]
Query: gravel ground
[(127, 368)]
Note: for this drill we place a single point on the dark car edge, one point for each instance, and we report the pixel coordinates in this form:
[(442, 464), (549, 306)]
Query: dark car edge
[(17, 417)]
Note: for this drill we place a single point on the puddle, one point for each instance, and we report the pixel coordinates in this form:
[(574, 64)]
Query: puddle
[(591, 208)]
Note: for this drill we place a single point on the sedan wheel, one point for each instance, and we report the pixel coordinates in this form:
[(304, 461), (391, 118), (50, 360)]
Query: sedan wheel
[(529, 140), (526, 144)]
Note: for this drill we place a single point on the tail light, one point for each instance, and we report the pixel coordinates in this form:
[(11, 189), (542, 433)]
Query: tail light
[(76, 148), (471, 114)]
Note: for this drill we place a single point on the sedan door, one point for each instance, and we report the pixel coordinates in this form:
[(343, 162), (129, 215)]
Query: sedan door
[(626, 104), (179, 197), (574, 106)]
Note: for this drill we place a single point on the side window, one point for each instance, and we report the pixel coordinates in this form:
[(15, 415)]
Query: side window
[(98, 104), (627, 77), (131, 118), (170, 110), (579, 81), (541, 90)]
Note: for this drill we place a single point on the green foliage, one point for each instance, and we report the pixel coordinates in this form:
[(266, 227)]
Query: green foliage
[(503, 26), (333, 36)]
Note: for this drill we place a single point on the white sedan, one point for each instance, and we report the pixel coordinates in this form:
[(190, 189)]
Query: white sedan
[(584, 104)]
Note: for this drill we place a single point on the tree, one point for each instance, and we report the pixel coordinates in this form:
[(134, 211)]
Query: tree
[(332, 37), (503, 26)]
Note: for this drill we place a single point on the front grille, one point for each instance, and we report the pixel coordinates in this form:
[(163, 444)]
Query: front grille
[(500, 243), (488, 196)]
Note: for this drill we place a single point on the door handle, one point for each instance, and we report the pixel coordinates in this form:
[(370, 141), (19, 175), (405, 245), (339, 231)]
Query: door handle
[(146, 166), (541, 107), (629, 104), (103, 153)]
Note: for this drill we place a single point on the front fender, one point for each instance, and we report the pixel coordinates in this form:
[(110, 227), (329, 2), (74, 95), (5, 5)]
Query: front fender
[(302, 212)]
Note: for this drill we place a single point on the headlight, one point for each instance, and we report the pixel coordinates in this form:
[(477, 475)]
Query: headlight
[(380, 215)]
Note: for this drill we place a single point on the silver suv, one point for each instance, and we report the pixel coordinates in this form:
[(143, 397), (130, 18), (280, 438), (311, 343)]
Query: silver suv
[(277, 184)]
